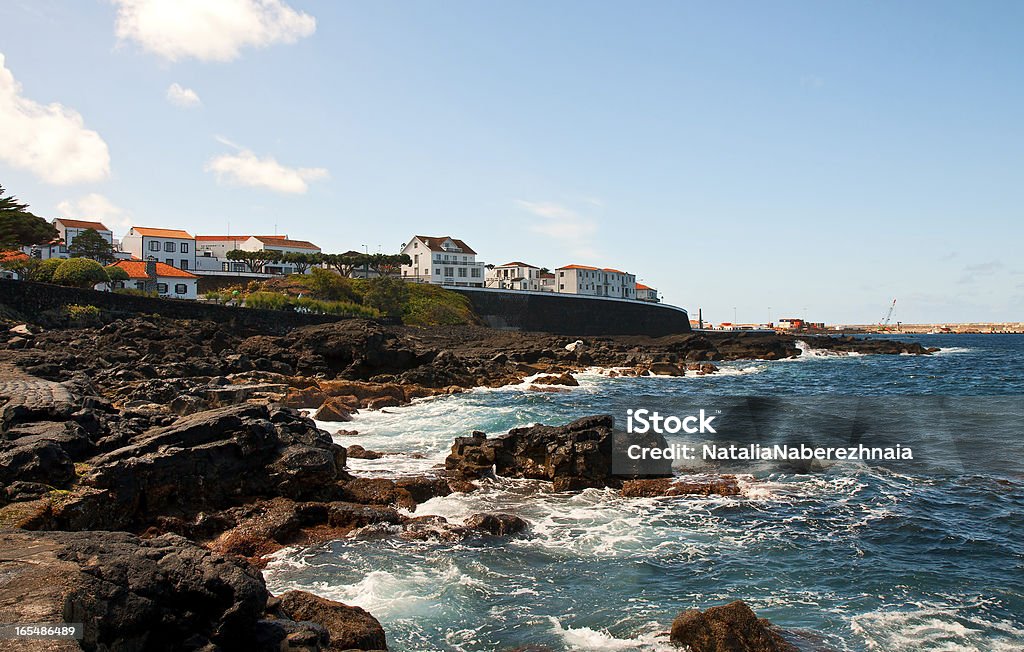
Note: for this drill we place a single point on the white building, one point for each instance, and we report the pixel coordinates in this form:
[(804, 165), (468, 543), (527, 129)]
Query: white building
[(595, 282), (514, 276), (172, 247), (211, 252), (547, 282), (645, 293), (154, 276), (442, 261), (68, 230)]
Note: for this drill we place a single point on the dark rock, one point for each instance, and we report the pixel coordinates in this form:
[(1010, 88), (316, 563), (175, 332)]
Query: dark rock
[(574, 456), (497, 523), (35, 460), (727, 628), (334, 408), (132, 594), (565, 379), (350, 628), (357, 452), (725, 485)]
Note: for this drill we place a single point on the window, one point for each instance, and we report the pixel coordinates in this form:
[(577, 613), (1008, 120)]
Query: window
[(184, 247), (168, 246), (170, 261), (561, 274), (224, 267), (154, 245), (561, 287), (449, 271), (184, 264), (161, 288), (180, 288), (462, 272)]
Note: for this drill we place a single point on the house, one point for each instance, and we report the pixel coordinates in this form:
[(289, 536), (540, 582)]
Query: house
[(645, 293), (790, 323), (154, 276), (595, 282), (172, 247), (211, 252), (546, 280), (514, 276), (68, 230), (442, 261)]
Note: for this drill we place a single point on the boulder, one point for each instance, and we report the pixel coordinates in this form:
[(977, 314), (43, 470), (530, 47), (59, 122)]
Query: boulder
[(35, 460), (574, 456), (566, 379), (725, 485), (728, 628), (335, 408), (350, 628), (132, 594), (499, 524), (666, 369)]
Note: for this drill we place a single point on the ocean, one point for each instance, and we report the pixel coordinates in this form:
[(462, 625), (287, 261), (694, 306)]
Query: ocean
[(846, 556)]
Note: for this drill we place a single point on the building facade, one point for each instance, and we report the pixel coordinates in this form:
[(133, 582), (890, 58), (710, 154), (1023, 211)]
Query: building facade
[(172, 247), (646, 293), (595, 282), (514, 276), (442, 261), (211, 252), (166, 280)]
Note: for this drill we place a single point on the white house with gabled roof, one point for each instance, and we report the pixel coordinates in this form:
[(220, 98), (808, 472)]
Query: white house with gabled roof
[(442, 260), (595, 281), (514, 276), (172, 247)]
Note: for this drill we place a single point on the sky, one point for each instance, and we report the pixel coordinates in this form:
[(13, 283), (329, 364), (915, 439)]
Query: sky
[(752, 159)]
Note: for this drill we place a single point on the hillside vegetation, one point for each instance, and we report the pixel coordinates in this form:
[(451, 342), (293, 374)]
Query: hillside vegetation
[(325, 291)]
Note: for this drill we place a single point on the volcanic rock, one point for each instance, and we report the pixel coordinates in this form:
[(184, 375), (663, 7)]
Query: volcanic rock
[(727, 628)]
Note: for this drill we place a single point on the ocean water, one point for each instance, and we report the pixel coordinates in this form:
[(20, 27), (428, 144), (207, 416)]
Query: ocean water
[(849, 557)]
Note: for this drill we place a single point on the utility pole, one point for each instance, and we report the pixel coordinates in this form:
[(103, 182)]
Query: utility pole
[(366, 261)]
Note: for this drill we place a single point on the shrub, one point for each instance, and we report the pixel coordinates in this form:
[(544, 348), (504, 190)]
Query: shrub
[(267, 301), (82, 314), (43, 272), (80, 273), (387, 295), (116, 274), (430, 305), (328, 285)]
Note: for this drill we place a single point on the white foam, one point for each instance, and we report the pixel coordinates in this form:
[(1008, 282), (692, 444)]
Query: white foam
[(585, 638), (934, 626)]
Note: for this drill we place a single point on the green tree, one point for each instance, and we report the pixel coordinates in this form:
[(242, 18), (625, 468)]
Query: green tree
[(254, 261), (90, 244), (345, 263), (387, 294), (43, 273), (23, 266), (300, 261), (80, 273), (386, 264), (20, 228), (330, 286), (116, 274)]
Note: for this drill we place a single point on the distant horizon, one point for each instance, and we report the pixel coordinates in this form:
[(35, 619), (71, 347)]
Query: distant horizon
[(750, 160)]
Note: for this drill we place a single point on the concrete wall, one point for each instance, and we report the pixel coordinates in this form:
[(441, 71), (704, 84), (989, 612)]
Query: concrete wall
[(567, 314), (33, 298)]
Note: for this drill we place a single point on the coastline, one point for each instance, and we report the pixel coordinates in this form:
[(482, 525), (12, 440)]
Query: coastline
[(156, 438)]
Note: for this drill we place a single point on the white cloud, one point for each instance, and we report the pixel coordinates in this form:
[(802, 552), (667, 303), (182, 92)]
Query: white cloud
[(51, 140), (186, 98), (565, 224), (244, 168), (209, 30), (97, 208)]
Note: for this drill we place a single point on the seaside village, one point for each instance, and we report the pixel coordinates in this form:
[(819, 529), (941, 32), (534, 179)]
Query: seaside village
[(173, 263)]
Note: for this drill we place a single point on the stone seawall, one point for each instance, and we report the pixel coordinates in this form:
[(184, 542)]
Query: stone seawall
[(34, 298), (566, 314)]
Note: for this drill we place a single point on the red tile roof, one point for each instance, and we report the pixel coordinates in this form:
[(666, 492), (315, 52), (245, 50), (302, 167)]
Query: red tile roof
[(162, 233), (12, 255), (641, 286), (614, 271), (586, 267), (222, 237), (81, 224), (435, 243), (518, 264), (278, 241), (137, 269)]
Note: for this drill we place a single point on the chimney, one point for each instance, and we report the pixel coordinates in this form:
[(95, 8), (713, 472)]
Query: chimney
[(700, 318), (151, 268)]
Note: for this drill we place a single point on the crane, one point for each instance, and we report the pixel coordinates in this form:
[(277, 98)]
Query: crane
[(884, 325)]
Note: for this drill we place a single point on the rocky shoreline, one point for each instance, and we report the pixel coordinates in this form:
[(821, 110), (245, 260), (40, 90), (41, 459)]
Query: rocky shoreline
[(148, 466)]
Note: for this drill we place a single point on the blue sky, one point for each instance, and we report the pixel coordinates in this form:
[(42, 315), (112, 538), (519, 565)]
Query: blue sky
[(817, 159)]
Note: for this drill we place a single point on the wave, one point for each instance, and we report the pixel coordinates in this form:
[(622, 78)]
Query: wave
[(586, 638), (931, 626), (807, 352)]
